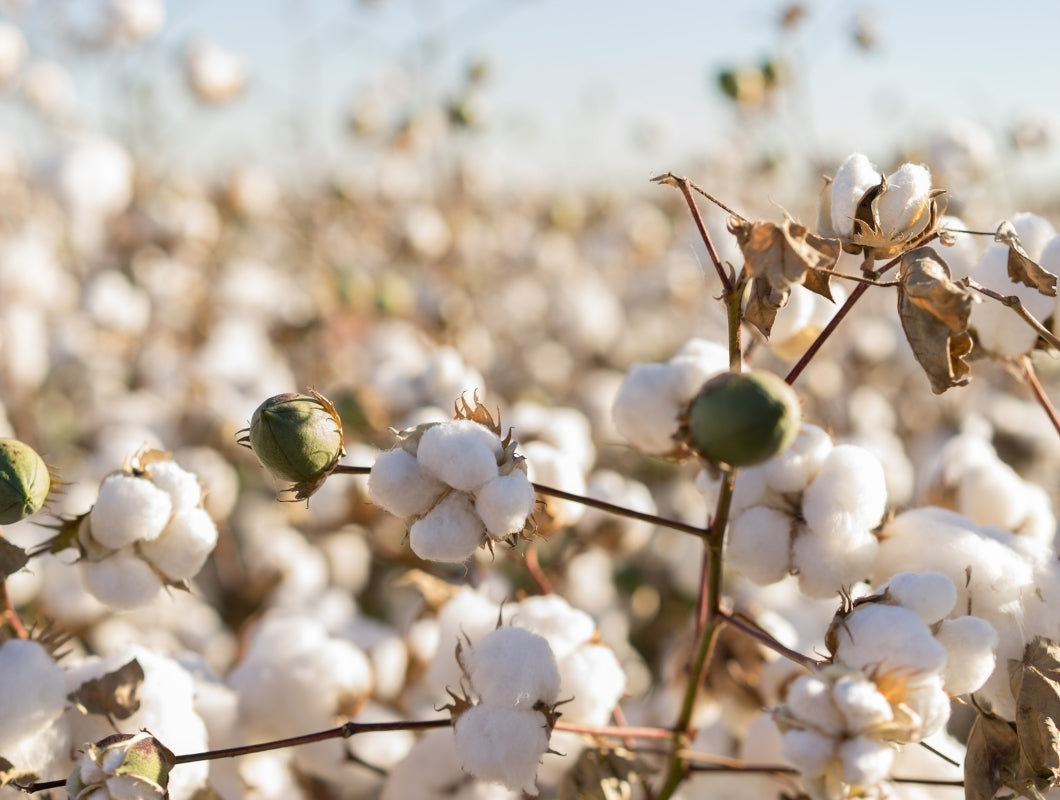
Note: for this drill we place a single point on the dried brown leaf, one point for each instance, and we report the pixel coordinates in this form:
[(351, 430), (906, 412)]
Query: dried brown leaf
[(1035, 683), (12, 558), (1021, 267), (10, 774), (992, 760), (116, 694), (934, 311)]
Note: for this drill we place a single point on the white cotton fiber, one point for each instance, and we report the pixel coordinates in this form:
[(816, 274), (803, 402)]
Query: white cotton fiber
[(449, 532), (182, 486), (861, 704), (808, 751), (855, 176), (970, 643), (882, 637), (866, 760), (551, 616), (502, 745), (128, 509), (122, 580), (930, 595), (990, 494), (398, 484), (592, 676), (904, 202), (503, 503), (825, 565), (460, 453), (643, 410), (758, 544), (1000, 329), (33, 691), (185, 544), (810, 699), (513, 667), (849, 493), (796, 467)]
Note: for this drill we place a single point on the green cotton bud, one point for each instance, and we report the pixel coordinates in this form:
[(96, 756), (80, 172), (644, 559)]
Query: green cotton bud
[(120, 766), (742, 418), (24, 481), (298, 438)]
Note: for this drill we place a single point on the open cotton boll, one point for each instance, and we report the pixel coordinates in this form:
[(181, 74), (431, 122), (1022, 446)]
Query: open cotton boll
[(397, 483), (866, 760), (904, 202), (929, 595), (855, 176), (450, 532), (513, 667), (182, 486), (503, 745), (504, 503), (794, 469), (466, 616), (128, 509), (826, 564), (848, 494), (970, 643), (758, 544), (121, 580), (885, 638), (551, 616), (810, 699), (592, 676), (185, 544), (460, 453)]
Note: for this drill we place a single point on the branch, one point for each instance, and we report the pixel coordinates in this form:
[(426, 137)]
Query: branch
[(686, 186), (1013, 302)]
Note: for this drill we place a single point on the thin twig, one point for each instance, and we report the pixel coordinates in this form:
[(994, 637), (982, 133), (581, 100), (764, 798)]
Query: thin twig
[(767, 640), (616, 731), (1013, 302), (701, 762), (1030, 377), (533, 566), (685, 186)]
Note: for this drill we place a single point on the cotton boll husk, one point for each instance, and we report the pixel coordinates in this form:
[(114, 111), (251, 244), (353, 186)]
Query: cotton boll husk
[(887, 638), (553, 467), (758, 544), (1034, 232), (855, 176), (503, 745), (450, 532), (929, 595), (183, 547), (866, 760), (400, 485), (970, 644), (849, 493), (827, 564), (431, 771), (589, 580), (167, 710), (504, 503), (513, 667), (591, 675), (551, 616), (794, 469), (129, 509), (121, 580), (461, 453)]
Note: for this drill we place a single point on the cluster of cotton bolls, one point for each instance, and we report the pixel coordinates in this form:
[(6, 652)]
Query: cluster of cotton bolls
[(811, 511), (457, 484), (148, 528), (898, 658)]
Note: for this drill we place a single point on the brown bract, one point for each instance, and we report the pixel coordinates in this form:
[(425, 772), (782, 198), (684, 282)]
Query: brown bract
[(934, 310), (1021, 267)]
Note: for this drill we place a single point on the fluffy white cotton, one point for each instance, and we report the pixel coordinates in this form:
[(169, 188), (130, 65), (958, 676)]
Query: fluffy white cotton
[(849, 493), (888, 638), (12, 50), (128, 509), (827, 564), (904, 203), (468, 615), (860, 703), (182, 486), (182, 548), (431, 771), (808, 751), (554, 467), (32, 693), (866, 760), (214, 74), (810, 698), (929, 595), (592, 676), (796, 467), (398, 484), (503, 503), (854, 177), (121, 580), (991, 494), (503, 745), (461, 453), (970, 644), (758, 544), (551, 616), (513, 667), (449, 532)]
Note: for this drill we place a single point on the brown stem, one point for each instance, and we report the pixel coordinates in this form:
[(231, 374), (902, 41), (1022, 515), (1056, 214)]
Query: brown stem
[(616, 731), (622, 511), (1013, 302), (669, 179), (533, 566), (767, 640), (1030, 377)]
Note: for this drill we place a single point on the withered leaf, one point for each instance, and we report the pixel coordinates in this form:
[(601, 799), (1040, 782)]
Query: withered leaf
[(9, 774), (1021, 267), (992, 760), (116, 694), (934, 311), (12, 558), (778, 257), (1035, 683)]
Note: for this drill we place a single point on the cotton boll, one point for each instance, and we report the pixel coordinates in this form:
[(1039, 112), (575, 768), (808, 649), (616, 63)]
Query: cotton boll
[(431, 770), (182, 548), (592, 676), (121, 580), (32, 695), (504, 503), (855, 176), (460, 453), (866, 760), (551, 616), (128, 509), (810, 699), (135, 20), (848, 494), (12, 50), (970, 643), (887, 638), (758, 544), (449, 532), (514, 668), (794, 316), (929, 595), (182, 486), (643, 411), (1034, 232), (386, 650), (503, 745), (990, 495), (399, 484), (214, 74), (903, 204), (468, 615), (810, 752), (826, 565), (796, 467)]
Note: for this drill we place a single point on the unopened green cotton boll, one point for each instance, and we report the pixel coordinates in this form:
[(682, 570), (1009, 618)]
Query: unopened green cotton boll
[(743, 418), (24, 481), (297, 437)]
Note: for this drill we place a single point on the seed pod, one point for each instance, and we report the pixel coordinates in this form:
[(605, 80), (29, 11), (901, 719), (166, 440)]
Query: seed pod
[(122, 765), (298, 438), (742, 418), (24, 481)]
